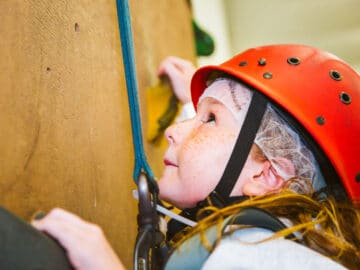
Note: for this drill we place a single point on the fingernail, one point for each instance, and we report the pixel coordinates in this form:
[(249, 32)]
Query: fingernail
[(39, 215)]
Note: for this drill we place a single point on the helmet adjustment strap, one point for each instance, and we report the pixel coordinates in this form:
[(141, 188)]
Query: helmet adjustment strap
[(242, 146)]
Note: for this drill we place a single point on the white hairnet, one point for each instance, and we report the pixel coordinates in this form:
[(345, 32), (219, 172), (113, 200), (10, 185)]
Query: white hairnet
[(275, 137)]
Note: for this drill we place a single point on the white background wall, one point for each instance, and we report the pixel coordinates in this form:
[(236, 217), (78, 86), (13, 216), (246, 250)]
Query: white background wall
[(236, 25), (211, 15)]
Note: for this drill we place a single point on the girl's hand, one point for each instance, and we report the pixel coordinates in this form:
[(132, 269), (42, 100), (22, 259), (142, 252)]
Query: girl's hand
[(84, 242), (180, 73)]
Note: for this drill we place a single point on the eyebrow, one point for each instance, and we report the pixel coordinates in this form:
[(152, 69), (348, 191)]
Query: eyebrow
[(210, 101)]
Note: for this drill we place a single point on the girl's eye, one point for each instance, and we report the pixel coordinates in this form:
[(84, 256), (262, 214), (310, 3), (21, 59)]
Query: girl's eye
[(210, 119)]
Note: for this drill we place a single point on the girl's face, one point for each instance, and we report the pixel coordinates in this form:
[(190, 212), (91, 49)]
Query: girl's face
[(198, 152)]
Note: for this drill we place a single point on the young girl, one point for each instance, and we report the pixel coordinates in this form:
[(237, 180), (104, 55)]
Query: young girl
[(273, 118)]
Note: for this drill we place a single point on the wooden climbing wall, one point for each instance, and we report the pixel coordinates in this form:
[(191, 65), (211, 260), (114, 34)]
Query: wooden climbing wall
[(65, 137), (161, 28)]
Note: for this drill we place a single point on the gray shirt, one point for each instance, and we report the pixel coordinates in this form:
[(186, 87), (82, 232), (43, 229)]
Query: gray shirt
[(242, 250)]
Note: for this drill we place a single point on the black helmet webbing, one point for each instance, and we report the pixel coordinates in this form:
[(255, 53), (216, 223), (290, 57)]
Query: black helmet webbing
[(242, 146)]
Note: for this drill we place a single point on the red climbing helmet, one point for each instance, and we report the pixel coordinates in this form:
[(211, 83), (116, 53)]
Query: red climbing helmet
[(316, 88)]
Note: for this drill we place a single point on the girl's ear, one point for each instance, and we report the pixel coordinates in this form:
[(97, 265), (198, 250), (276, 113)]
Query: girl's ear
[(265, 179)]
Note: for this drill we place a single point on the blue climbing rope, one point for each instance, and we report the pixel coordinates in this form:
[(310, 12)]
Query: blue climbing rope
[(127, 47), (149, 238)]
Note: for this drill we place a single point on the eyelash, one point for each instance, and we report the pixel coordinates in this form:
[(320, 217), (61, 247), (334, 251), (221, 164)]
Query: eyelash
[(210, 118)]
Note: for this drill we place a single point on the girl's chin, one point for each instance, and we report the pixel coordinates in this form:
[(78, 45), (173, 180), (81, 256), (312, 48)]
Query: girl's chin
[(170, 200)]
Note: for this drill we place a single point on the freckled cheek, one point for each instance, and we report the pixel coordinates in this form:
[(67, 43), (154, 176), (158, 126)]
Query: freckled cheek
[(201, 152), (192, 162), (208, 144), (209, 138), (201, 141)]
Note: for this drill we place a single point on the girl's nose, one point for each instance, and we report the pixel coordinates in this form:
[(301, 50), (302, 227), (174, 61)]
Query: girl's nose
[(177, 132), (171, 133)]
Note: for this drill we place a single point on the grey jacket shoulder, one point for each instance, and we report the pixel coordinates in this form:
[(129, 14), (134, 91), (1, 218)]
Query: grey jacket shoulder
[(246, 249)]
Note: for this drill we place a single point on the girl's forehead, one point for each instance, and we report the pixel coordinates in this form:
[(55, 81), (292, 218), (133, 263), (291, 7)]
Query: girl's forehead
[(232, 94)]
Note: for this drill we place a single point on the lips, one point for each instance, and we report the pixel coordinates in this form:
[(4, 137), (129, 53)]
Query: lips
[(169, 163)]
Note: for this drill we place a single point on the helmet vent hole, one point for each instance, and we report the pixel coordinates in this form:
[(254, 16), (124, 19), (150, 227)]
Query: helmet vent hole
[(267, 75), (262, 62), (243, 64), (357, 178), (320, 120), (345, 98), (335, 75), (294, 61)]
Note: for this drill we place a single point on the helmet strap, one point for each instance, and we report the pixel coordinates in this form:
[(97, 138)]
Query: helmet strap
[(244, 142)]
